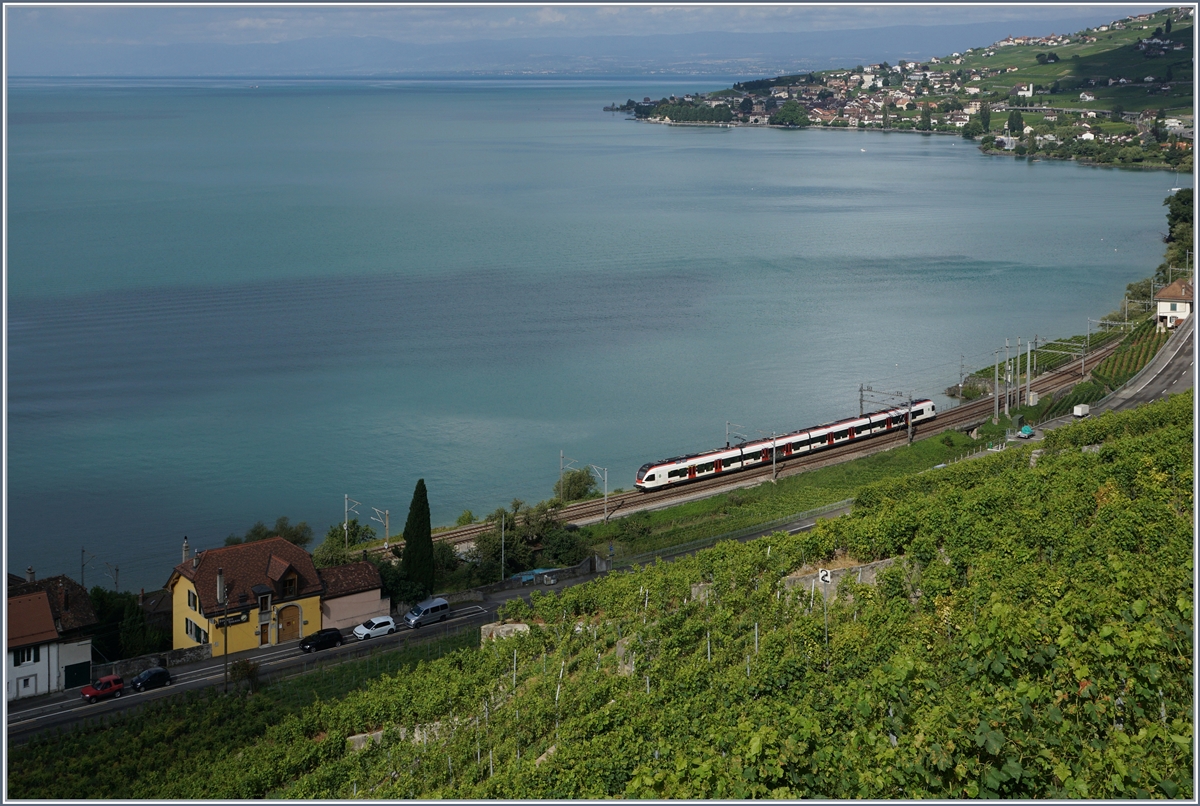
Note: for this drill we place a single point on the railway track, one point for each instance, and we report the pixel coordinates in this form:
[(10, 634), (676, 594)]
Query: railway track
[(960, 417)]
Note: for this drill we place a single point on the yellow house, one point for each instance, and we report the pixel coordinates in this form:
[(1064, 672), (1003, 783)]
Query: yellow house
[(273, 596)]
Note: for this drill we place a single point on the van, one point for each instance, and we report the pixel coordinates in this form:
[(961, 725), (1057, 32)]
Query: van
[(427, 612)]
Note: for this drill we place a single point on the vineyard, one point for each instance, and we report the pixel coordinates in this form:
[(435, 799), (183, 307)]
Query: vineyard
[(1033, 641), (1141, 346)]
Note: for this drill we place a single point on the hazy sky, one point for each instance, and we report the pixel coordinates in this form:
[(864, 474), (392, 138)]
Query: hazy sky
[(430, 24)]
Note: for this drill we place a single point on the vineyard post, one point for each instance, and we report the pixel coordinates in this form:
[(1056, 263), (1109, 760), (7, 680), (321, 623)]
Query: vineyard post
[(756, 638), (708, 643)]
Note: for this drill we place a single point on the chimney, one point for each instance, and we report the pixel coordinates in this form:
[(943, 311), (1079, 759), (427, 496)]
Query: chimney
[(185, 548), (29, 577), (196, 561), (220, 586), (142, 598)]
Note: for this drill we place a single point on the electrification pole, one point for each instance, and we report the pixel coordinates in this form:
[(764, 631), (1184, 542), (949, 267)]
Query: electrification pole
[(996, 388)]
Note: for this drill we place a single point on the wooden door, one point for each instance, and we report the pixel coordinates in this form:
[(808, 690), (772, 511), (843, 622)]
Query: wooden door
[(289, 624)]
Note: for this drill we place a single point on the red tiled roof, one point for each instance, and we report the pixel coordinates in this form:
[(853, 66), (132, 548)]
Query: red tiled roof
[(246, 565), (343, 580), (69, 601), (30, 620), (277, 568)]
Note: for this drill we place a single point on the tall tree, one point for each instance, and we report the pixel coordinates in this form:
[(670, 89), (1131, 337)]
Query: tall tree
[(985, 116), (926, 119), (418, 540)]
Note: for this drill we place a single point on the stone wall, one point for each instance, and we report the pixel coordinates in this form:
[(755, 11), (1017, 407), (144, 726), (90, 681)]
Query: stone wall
[(130, 667), (865, 574)]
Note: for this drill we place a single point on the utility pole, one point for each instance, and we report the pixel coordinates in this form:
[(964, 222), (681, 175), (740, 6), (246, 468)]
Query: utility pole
[(350, 507), (728, 425), (563, 464), (962, 369), (381, 517), (1017, 376), (223, 599), (603, 470), (1028, 370), (860, 402), (502, 541), (1007, 374), (83, 564), (996, 388), (909, 418)]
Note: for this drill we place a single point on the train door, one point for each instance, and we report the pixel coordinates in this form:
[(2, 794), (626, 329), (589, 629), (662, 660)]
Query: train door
[(889, 422), (691, 471), (717, 466), (850, 432), (787, 449), (830, 440)]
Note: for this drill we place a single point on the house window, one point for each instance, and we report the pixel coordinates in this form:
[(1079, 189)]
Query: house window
[(264, 603), (26, 655), (289, 587), (192, 600), (194, 632), (1173, 306)]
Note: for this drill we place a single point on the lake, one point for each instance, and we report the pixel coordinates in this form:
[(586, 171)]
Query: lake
[(234, 300)]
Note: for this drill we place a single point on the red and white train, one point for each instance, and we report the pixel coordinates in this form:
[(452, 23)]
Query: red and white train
[(682, 469)]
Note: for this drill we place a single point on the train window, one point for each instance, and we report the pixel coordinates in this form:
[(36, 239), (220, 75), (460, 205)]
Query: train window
[(841, 434), (650, 477)]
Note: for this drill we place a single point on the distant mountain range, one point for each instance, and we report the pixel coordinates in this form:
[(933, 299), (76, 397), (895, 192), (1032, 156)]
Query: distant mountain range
[(680, 54)]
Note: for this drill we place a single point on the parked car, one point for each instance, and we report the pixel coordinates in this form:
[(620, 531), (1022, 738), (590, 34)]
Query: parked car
[(321, 639), (427, 612), (1025, 433), (151, 678), (108, 686), (373, 628)]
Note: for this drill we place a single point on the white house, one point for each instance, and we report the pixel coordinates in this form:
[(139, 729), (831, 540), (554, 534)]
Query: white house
[(1174, 302), (1086, 96), (47, 650)]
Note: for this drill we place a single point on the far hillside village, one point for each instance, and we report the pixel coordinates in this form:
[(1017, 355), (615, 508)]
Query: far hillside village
[(1118, 94)]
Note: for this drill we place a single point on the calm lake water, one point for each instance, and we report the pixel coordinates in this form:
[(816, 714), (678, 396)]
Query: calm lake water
[(228, 303)]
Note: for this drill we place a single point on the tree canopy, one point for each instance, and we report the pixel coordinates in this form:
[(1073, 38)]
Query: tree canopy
[(300, 534), (790, 114), (418, 540)]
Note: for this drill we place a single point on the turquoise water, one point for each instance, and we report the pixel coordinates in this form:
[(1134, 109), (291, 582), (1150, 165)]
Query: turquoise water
[(228, 304)]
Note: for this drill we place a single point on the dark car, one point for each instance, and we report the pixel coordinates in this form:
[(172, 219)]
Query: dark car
[(321, 639), (151, 678), (108, 686)]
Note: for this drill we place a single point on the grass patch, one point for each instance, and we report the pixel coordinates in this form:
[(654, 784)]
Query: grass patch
[(710, 517)]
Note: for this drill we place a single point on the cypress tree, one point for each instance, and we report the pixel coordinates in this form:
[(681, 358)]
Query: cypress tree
[(418, 540)]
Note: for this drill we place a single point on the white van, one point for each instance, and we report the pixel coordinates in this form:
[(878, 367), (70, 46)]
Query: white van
[(427, 612)]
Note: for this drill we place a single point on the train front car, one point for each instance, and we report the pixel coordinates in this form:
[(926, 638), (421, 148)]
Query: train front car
[(650, 476)]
